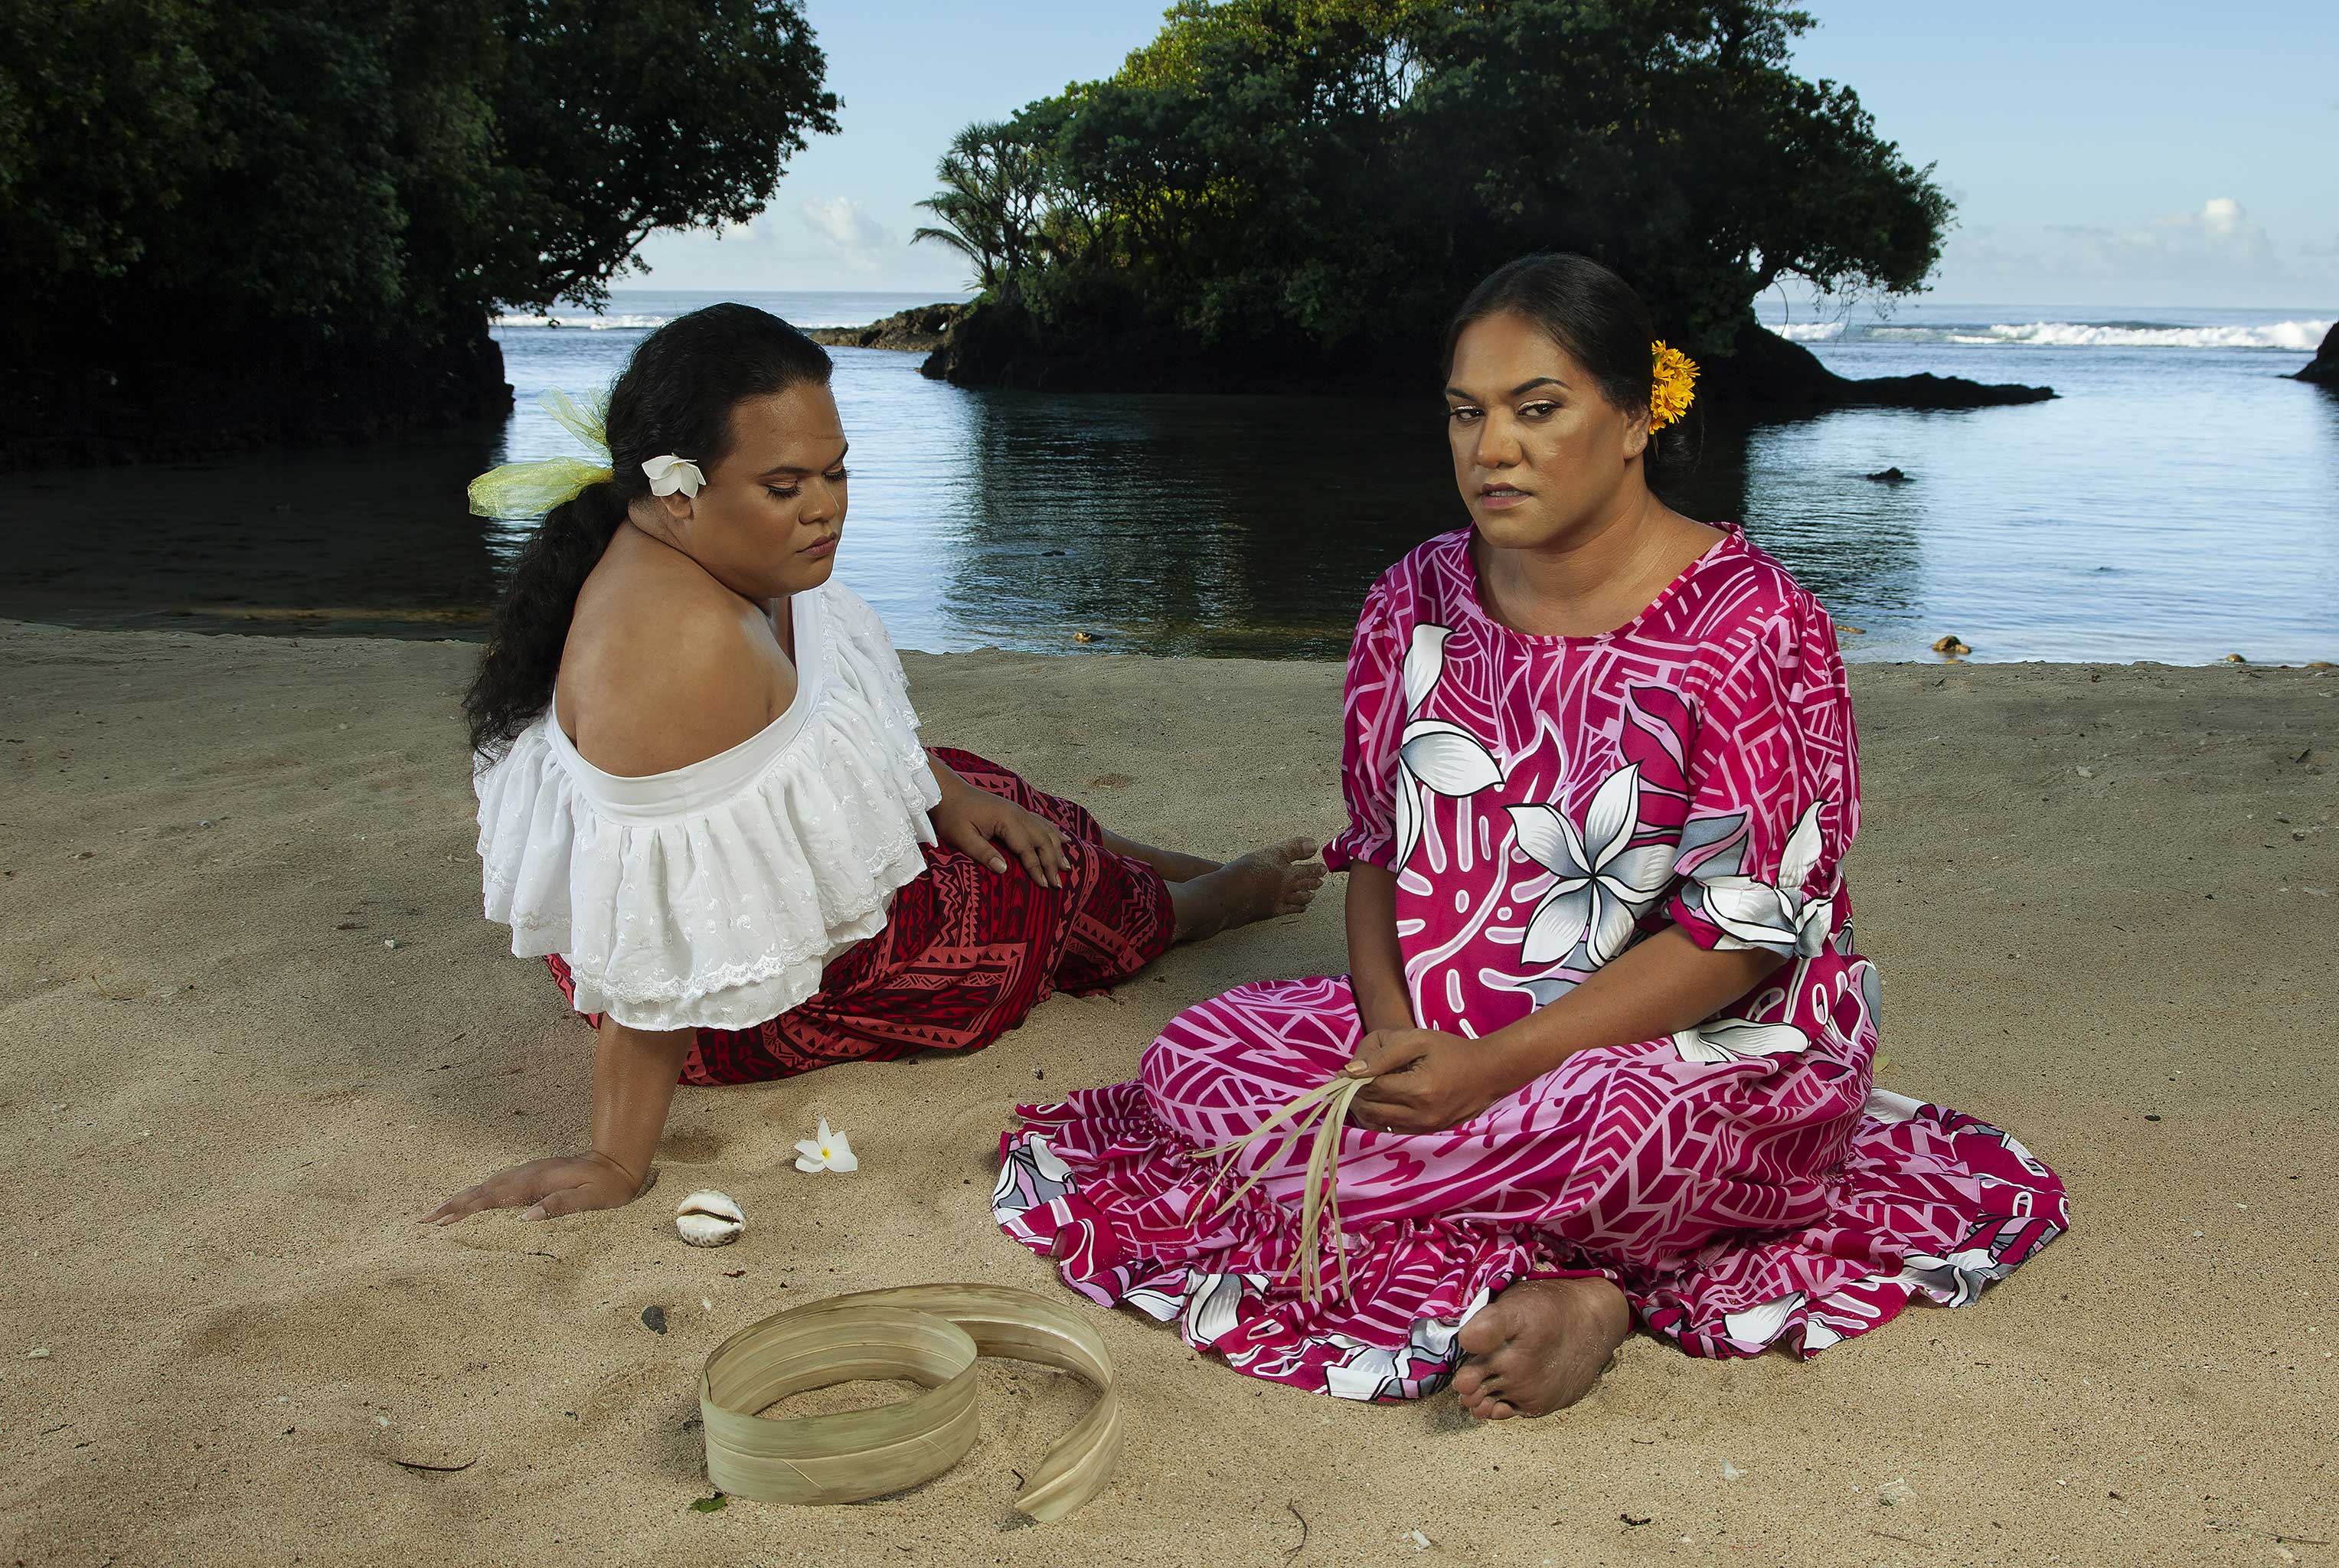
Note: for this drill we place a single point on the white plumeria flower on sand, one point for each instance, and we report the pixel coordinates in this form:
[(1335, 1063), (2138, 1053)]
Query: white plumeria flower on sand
[(1603, 886), (669, 473), (1720, 1040), (828, 1151), (1777, 915), (1432, 753)]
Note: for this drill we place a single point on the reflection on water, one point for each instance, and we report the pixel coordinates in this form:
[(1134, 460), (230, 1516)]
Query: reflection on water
[(373, 542), (2174, 504)]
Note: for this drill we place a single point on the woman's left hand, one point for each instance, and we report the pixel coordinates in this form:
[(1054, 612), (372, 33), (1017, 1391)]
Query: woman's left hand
[(977, 823), (1422, 1080)]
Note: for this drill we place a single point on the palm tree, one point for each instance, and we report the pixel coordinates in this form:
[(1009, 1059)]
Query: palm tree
[(994, 191)]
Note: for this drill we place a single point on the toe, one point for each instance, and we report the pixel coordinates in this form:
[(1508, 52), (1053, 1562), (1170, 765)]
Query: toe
[(1470, 1379), (1485, 1333), (1502, 1411)]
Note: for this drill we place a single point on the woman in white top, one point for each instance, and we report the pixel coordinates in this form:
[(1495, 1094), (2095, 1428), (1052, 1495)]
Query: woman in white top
[(702, 801)]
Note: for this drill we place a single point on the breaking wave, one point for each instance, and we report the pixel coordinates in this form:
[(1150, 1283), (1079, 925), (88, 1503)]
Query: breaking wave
[(2294, 337), (590, 323)]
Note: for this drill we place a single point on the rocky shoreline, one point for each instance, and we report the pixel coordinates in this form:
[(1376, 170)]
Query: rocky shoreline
[(922, 329), (1762, 376)]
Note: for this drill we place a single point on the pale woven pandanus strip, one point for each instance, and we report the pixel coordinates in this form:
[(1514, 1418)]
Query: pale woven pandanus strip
[(930, 1334), (1322, 1111)]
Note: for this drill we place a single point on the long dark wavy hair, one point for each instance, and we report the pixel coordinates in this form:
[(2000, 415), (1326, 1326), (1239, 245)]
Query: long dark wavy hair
[(1596, 316), (676, 395)]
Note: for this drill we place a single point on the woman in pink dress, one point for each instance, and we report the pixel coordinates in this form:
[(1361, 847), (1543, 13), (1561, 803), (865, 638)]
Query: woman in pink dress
[(1602, 776)]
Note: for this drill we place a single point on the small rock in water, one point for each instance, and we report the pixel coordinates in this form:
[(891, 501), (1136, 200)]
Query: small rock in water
[(2235, 660), (654, 1319), (1953, 645), (1851, 630), (1889, 476), (1084, 637), (1895, 1492)]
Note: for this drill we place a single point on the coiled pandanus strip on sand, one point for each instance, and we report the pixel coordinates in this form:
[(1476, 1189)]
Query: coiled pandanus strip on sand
[(930, 1334)]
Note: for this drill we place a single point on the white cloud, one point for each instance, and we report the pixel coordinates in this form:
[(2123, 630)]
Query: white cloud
[(2218, 243), (2214, 253), (845, 224)]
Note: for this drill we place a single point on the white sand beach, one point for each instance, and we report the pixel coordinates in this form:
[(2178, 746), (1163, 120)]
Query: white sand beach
[(251, 1024)]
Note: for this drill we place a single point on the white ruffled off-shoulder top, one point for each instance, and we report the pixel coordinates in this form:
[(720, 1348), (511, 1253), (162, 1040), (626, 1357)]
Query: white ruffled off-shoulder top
[(712, 896)]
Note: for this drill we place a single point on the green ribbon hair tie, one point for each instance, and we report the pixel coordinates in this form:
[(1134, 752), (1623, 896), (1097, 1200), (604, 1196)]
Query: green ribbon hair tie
[(517, 491)]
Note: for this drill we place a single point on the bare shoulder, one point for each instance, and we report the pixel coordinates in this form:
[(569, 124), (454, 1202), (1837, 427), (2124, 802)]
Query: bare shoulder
[(665, 667)]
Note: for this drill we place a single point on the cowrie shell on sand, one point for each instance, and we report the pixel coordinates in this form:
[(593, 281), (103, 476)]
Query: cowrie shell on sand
[(709, 1218)]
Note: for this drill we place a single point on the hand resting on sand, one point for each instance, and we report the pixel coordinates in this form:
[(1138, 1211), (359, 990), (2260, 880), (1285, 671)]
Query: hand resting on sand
[(547, 1189), (633, 1072)]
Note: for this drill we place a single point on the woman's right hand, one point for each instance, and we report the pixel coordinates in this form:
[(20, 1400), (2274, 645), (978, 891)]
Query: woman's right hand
[(547, 1189)]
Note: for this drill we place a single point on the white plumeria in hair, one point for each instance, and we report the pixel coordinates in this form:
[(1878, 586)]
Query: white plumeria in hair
[(828, 1151), (1778, 916), (669, 473), (1603, 886), (1432, 753)]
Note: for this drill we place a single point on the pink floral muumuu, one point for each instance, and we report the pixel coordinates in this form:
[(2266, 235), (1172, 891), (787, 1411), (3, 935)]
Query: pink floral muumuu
[(1544, 802)]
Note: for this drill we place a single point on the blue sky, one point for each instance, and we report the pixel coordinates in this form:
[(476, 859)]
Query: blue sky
[(2101, 155)]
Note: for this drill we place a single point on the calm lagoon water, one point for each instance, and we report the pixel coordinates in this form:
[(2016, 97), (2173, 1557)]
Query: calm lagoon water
[(2178, 502)]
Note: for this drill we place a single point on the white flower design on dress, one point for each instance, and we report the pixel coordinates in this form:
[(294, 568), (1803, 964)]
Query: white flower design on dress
[(1432, 753), (1956, 1280), (1720, 1040), (1603, 887), (1778, 916), (1754, 1328)]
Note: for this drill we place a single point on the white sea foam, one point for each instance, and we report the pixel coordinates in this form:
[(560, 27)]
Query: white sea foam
[(2296, 337), (1809, 332), (642, 324), (590, 323)]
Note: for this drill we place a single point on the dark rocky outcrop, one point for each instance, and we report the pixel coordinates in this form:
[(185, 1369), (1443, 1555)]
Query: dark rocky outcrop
[(1765, 371), (1764, 375), (265, 389), (2323, 370), (920, 330)]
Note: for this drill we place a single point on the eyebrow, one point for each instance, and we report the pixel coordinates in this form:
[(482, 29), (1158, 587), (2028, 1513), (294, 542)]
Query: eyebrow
[(1518, 391), (773, 473)]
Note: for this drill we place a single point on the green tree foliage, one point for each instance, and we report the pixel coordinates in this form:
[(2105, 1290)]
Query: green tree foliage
[(184, 181), (1332, 175), (993, 199)]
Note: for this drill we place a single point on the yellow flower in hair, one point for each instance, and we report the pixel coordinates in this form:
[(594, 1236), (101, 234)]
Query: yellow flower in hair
[(1673, 385)]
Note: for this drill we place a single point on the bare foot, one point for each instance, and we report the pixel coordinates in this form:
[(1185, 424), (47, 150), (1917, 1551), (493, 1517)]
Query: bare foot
[(1281, 879), (1540, 1346)]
